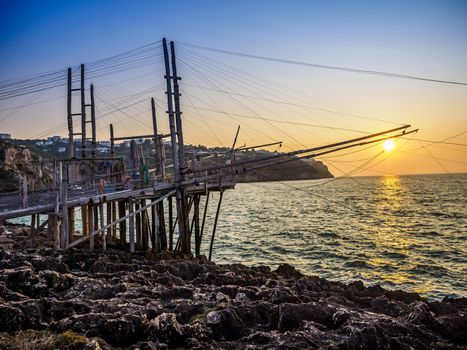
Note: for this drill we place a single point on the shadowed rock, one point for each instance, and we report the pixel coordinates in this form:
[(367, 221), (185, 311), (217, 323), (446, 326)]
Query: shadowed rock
[(118, 300)]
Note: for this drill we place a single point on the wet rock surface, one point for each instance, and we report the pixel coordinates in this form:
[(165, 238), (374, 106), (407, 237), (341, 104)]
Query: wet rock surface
[(116, 300)]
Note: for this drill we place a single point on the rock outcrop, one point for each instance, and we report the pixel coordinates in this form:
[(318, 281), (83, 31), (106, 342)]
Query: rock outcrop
[(95, 300)]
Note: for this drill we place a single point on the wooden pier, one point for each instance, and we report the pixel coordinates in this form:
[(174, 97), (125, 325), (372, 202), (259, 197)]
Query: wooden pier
[(143, 203), (140, 205)]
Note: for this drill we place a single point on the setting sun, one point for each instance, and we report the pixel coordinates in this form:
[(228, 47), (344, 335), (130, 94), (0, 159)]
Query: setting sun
[(388, 145)]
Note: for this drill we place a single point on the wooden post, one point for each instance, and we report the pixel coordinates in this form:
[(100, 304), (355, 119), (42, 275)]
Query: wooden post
[(162, 230), (171, 236), (138, 225), (112, 142), (50, 227), (185, 245), (32, 229), (83, 115), (196, 220), (101, 217), (215, 224), (154, 231), (162, 150), (72, 224), (64, 228), (71, 147), (55, 175), (24, 184), (144, 227), (204, 216), (178, 113), (157, 141), (93, 123), (109, 220), (131, 224), (181, 212), (122, 226), (114, 217), (91, 224), (84, 220), (56, 233)]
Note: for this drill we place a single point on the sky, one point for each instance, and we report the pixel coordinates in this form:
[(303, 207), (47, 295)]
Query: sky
[(269, 100)]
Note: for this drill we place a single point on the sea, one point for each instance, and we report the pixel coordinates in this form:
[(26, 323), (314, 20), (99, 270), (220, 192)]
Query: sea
[(402, 232)]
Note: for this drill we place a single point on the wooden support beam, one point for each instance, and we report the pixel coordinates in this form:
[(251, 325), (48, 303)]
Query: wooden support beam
[(122, 226), (84, 220), (72, 224), (180, 197), (196, 220), (101, 219), (93, 123), (112, 141), (162, 228), (32, 231), (157, 155), (187, 216), (215, 224), (171, 236), (55, 232), (50, 235), (131, 223), (44, 224), (155, 238), (91, 224), (83, 114), (308, 150), (109, 210), (114, 217), (130, 215), (64, 227), (138, 225), (137, 137), (144, 226), (204, 216), (71, 145)]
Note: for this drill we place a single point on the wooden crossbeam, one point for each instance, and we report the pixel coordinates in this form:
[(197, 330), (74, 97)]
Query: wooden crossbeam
[(96, 232)]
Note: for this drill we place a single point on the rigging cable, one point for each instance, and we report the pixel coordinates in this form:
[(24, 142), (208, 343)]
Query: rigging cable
[(339, 68)]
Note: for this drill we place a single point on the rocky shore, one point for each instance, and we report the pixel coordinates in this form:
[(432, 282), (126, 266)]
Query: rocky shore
[(95, 300)]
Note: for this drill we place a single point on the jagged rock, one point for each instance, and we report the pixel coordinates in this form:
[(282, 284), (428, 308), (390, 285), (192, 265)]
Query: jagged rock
[(11, 318), (166, 328), (176, 292), (122, 300), (225, 324), (454, 327), (288, 271), (92, 345), (21, 280), (54, 280), (292, 315), (92, 289), (114, 330), (386, 306)]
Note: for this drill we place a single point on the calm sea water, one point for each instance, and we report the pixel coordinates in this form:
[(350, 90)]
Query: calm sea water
[(407, 232), (404, 232)]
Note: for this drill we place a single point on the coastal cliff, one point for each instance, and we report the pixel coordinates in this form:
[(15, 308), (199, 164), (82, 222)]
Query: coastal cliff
[(18, 162)]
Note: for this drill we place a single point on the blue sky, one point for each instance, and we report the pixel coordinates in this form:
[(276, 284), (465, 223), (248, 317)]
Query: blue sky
[(426, 38), (41, 35)]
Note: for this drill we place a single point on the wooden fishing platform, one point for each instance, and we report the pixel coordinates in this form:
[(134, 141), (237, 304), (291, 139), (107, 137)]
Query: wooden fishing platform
[(140, 208), (145, 203)]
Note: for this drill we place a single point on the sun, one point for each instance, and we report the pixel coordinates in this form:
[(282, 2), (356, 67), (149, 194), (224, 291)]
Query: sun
[(388, 145)]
